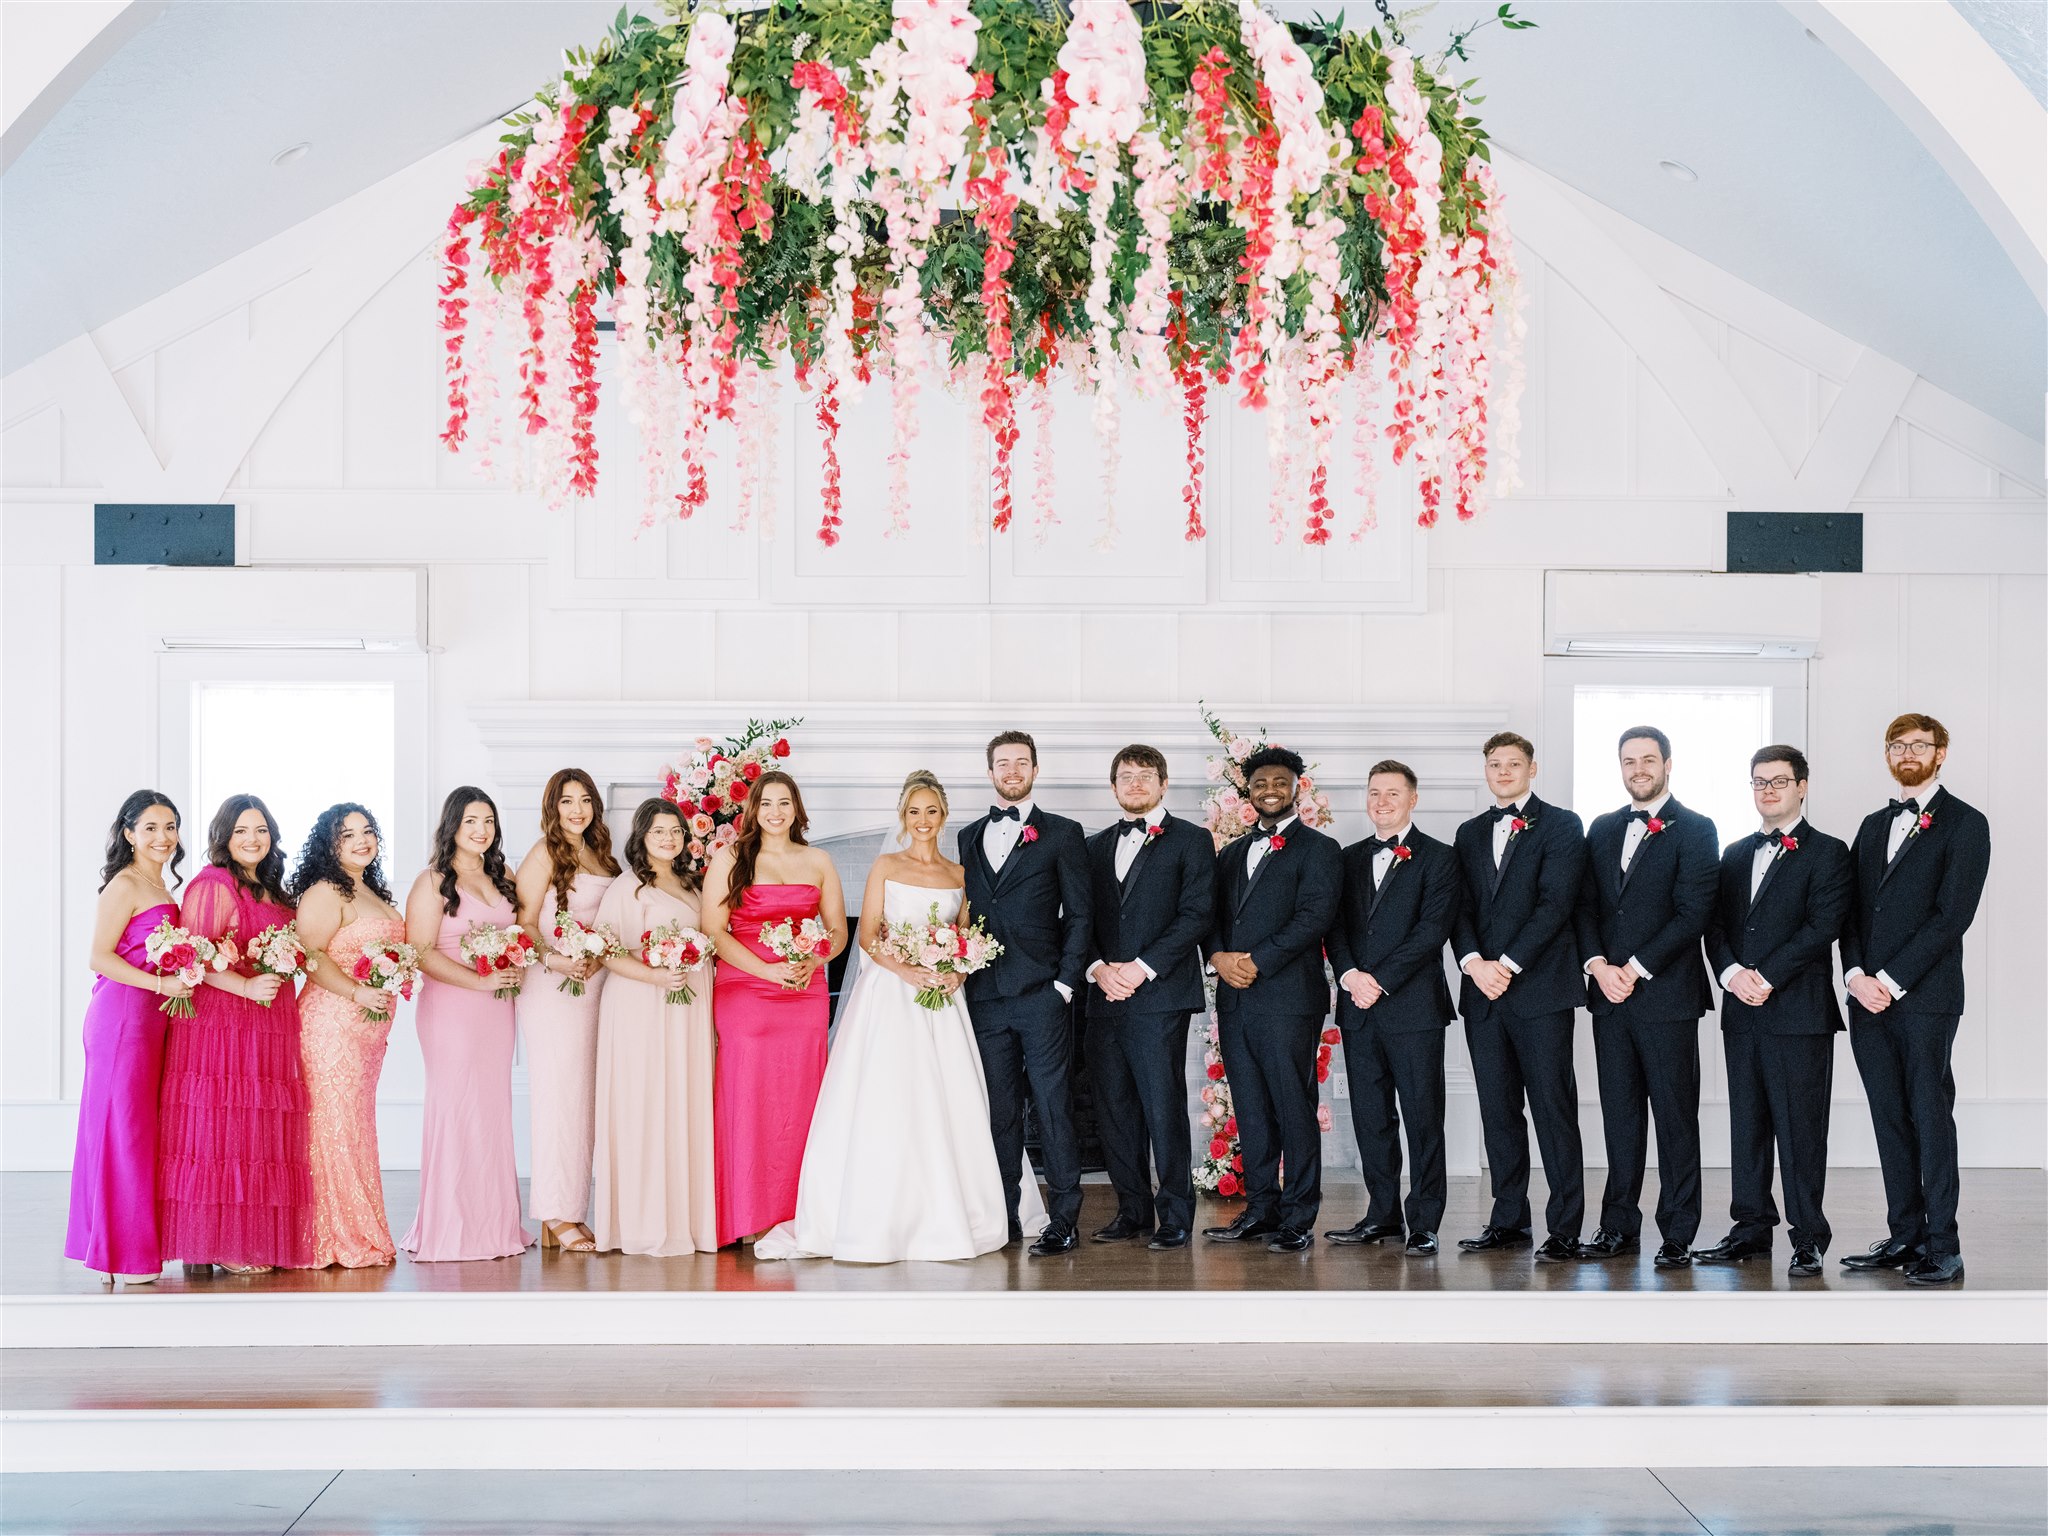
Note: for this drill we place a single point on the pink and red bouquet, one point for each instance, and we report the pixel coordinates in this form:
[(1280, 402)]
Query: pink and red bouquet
[(494, 951), (792, 940), (946, 949), (278, 951), (393, 968), (709, 787), (675, 947), (179, 953), (574, 940)]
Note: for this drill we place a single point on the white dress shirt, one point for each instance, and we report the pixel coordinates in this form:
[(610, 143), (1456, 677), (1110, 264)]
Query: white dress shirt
[(1901, 828), (1382, 863), (1631, 840), (1502, 831), (1262, 844), (1127, 848), (1767, 853), (999, 836)]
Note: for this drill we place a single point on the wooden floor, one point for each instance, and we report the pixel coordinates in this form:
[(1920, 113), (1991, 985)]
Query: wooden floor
[(2004, 1222)]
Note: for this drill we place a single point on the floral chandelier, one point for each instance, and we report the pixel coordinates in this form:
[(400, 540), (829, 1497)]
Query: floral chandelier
[(986, 194)]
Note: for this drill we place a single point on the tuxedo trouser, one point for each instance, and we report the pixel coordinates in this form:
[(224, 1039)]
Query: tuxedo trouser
[(1269, 1060), (1382, 1066), (1516, 1060), (1904, 1060), (1139, 1063), (1650, 1068), (1779, 1088), (1027, 1042)]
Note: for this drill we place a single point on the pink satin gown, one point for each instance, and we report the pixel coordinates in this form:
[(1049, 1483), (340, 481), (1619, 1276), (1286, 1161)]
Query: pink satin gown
[(343, 1055)]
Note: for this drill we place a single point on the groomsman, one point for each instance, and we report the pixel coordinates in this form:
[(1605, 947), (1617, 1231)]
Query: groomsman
[(1027, 874), (1523, 864), (1153, 880), (1648, 892), (1784, 892), (1920, 868), (1387, 948), (1276, 890)]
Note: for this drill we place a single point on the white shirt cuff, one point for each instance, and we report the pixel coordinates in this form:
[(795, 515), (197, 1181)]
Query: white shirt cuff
[(1637, 966), (1596, 960), (1066, 992), (1089, 974), (1465, 960), (1139, 962), (1730, 974), (1891, 986), (1345, 979), (1852, 973), (1513, 969)]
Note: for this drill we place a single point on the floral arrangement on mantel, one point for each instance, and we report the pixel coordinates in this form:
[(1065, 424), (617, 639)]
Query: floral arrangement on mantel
[(985, 193)]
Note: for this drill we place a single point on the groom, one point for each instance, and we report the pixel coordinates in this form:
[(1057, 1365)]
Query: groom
[(1027, 877)]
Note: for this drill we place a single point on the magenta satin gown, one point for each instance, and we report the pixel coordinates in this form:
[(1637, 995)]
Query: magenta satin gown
[(113, 1226), (771, 1059), (233, 1181), (469, 1182)]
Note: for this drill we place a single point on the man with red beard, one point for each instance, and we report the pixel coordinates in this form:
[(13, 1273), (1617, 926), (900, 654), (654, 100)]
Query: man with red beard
[(1920, 867)]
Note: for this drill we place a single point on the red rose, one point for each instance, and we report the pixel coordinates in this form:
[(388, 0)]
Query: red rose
[(1516, 824), (1322, 1071), (405, 991), (752, 772), (1791, 844), (1219, 1148), (1031, 834), (1654, 826), (1332, 1035), (483, 966), (1278, 842), (1237, 1163), (711, 801), (687, 807), (1230, 1126), (1227, 1185), (1215, 1071), (1926, 821), (781, 747), (1403, 852), (363, 968)]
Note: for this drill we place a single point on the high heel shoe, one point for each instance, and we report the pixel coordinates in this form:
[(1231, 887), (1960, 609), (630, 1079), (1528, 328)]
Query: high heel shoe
[(569, 1236)]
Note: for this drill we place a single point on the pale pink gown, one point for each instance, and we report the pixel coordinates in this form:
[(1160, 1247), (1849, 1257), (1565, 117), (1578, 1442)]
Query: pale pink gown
[(560, 1033), (342, 1051)]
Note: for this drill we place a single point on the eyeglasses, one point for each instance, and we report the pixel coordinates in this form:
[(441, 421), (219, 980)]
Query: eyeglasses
[(1781, 783), (1912, 748)]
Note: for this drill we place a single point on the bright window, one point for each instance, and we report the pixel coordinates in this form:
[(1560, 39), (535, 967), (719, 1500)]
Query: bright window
[(1713, 731)]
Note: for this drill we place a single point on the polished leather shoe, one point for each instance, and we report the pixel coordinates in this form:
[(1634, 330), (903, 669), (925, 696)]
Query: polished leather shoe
[(1607, 1244), (1805, 1262), (1168, 1237), (1490, 1238), (1673, 1256), (1242, 1230), (1122, 1230), (1557, 1250), (1367, 1232), (1057, 1238), (1888, 1254), (1936, 1269), (1421, 1245), (1290, 1240), (1734, 1250)]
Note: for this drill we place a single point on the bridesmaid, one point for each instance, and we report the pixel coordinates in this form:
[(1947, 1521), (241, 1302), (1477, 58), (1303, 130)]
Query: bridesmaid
[(570, 867), (655, 1189), (345, 905), (469, 1182), (233, 1186), (113, 1225), (771, 1014)]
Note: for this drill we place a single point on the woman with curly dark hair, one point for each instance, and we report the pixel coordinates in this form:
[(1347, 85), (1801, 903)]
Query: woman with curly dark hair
[(469, 1183), (345, 906)]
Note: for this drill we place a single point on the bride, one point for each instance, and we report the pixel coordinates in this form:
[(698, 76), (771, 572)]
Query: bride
[(899, 1164)]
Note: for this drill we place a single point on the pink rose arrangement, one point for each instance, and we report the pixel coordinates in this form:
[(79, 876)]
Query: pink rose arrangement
[(709, 787), (278, 951), (675, 946), (573, 940), (491, 950), (946, 949), (392, 968), (184, 956)]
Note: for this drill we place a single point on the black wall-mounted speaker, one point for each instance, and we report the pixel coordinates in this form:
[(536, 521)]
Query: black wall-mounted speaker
[(162, 533), (1785, 542)]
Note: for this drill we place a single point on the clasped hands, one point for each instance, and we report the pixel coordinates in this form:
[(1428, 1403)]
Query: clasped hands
[(1870, 993), (795, 975), (1749, 986), (1235, 968), (1489, 976), (1118, 979), (1364, 991), (1616, 982)]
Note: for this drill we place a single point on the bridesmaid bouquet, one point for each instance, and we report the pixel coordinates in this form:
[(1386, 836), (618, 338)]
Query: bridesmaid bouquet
[(674, 947), (575, 941), (393, 968), (493, 951), (950, 949), (179, 953), (277, 951), (793, 940)]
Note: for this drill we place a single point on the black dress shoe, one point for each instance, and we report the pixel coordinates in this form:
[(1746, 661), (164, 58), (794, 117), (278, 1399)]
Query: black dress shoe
[(1490, 1238), (1058, 1237), (1888, 1254), (1169, 1237), (1557, 1250), (1367, 1232), (1805, 1262), (1290, 1240), (1242, 1230), (1673, 1256), (1421, 1245), (1733, 1250), (1121, 1230), (1608, 1244), (1936, 1269)]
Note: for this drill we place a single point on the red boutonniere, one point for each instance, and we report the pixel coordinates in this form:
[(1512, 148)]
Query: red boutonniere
[(1926, 820), (1030, 835), (1403, 852), (1789, 844), (1655, 825), (1277, 842), (1516, 827), (1152, 832)]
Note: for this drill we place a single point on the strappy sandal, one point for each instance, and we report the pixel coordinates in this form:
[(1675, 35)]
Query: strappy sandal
[(569, 1236), (246, 1270)]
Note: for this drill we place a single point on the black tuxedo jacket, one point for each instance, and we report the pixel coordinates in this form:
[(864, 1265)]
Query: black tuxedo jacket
[(1908, 918), (1279, 918), (1037, 907), (1396, 934), (1787, 932), (1523, 911), (1656, 914), (1157, 913)]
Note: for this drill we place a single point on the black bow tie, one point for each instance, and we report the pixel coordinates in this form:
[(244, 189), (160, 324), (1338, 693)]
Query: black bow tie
[(1503, 812), (1004, 812), (1135, 824), (1267, 832), (1380, 844), (1906, 805), (1638, 814), (1777, 838)]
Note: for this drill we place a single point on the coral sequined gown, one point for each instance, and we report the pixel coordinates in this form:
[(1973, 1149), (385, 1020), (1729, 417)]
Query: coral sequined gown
[(343, 1056)]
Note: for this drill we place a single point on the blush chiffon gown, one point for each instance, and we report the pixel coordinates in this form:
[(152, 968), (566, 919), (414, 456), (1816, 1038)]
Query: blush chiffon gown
[(342, 1051), (560, 1034)]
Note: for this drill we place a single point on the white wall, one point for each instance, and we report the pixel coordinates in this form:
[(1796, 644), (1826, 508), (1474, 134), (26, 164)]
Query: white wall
[(300, 383)]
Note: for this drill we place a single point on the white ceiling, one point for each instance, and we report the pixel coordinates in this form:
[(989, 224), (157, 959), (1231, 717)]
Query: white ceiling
[(158, 167)]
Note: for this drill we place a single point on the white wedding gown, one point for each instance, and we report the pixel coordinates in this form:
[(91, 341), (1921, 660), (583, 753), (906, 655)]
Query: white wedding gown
[(899, 1164)]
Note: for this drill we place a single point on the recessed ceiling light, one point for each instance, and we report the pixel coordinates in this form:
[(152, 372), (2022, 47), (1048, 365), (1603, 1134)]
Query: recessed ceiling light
[(291, 156), (1678, 170)]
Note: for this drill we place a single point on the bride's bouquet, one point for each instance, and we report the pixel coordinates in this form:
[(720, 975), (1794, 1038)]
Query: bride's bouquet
[(949, 949), (392, 967), (278, 951), (574, 940), (793, 940), (674, 947), (492, 950), (180, 953)]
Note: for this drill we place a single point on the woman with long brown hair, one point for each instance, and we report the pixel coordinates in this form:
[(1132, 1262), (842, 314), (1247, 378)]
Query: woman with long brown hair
[(567, 871), (771, 1011)]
